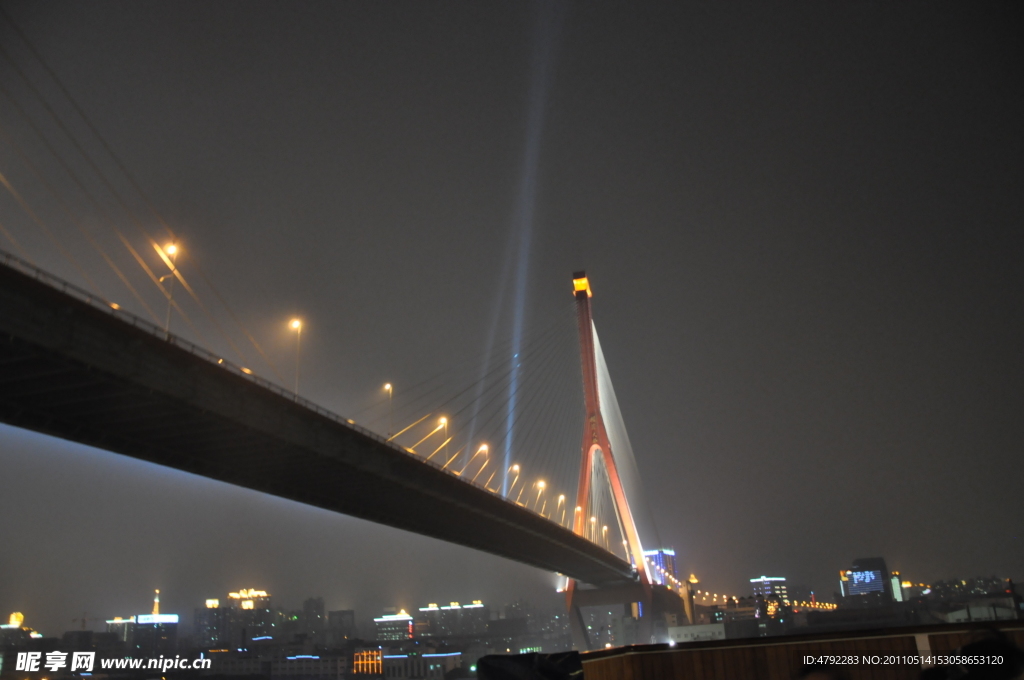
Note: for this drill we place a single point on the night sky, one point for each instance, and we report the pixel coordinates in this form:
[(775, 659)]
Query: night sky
[(802, 224)]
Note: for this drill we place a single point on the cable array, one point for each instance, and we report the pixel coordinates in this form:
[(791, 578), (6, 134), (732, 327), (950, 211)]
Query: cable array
[(52, 182), (510, 422)]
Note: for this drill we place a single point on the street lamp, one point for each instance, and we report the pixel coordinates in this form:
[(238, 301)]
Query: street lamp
[(540, 490), (391, 410), (561, 504), (296, 325), (171, 250), (515, 469), (444, 422)]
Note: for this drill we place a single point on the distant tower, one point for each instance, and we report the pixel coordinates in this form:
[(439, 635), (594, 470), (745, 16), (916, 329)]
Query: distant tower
[(156, 603)]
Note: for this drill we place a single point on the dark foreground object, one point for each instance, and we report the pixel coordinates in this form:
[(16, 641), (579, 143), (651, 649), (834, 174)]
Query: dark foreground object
[(561, 666)]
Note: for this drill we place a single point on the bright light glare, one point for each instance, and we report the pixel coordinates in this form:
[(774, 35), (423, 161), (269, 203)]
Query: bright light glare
[(387, 386), (443, 421), (295, 324), (170, 249)]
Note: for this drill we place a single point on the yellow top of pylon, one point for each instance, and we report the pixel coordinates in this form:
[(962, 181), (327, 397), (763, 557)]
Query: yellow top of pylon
[(580, 283)]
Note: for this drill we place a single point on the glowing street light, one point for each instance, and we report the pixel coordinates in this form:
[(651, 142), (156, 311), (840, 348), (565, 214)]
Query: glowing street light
[(441, 424), (391, 410), (561, 504), (593, 529), (540, 490), (483, 449), (515, 469), (296, 325), (171, 254)]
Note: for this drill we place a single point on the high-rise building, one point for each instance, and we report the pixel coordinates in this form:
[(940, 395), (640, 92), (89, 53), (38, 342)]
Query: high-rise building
[(313, 620), (454, 619), (233, 623), (664, 562), (212, 626), (341, 626), (154, 634), (867, 582), (392, 627), (122, 628), (770, 587)]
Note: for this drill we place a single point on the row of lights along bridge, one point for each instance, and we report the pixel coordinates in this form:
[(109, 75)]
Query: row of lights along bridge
[(537, 503)]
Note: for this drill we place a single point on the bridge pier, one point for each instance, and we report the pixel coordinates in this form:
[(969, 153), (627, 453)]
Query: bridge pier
[(653, 607)]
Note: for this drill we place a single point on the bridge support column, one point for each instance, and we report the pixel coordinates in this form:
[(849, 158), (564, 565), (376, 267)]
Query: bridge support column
[(636, 599)]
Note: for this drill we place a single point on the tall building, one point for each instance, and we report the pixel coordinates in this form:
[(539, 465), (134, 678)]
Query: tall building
[(664, 561), (313, 620), (154, 635), (341, 626), (212, 626), (770, 588), (454, 619), (245, 615), (867, 582), (122, 628), (251, 617), (392, 627)]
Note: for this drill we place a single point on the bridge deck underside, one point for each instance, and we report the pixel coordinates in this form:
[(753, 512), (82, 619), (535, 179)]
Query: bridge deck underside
[(72, 371)]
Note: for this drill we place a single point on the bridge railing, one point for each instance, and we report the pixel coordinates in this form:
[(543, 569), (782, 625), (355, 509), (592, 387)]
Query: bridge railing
[(95, 301)]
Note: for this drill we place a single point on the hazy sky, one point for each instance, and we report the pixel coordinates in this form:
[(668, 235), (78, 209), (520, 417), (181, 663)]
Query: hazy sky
[(802, 224)]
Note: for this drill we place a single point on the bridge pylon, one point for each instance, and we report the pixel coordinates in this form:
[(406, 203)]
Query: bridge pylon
[(643, 599)]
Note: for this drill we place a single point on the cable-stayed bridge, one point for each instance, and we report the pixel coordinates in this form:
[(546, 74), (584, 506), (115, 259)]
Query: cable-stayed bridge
[(495, 463), (79, 368)]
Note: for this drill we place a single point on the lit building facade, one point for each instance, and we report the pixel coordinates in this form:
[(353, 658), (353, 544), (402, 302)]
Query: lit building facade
[(453, 619), (394, 627), (867, 583), (368, 661), (664, 563), (770, 588), (154, 635), (231, 624)]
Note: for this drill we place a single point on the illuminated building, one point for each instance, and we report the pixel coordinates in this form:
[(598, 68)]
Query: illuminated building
[(234, 622), (122, 628), (454, 619), (154, 634), (368, 662), (393, 627), (867, 583), (14, 635), (249, 599), (664, 562), (770, 588), (895, 587)]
